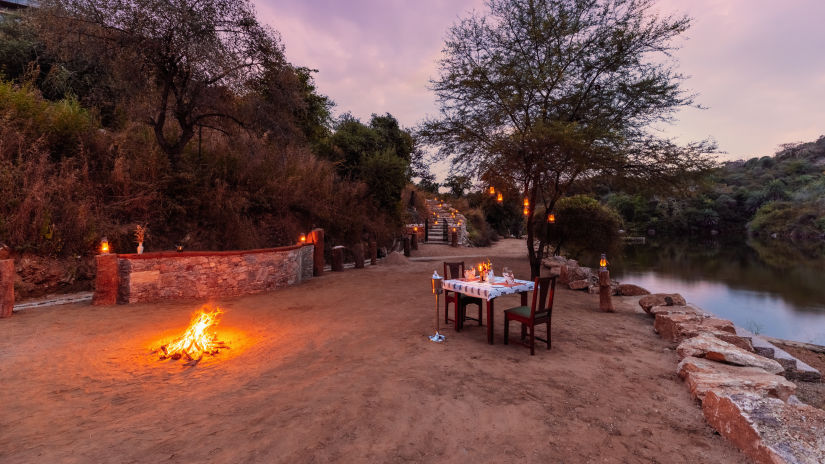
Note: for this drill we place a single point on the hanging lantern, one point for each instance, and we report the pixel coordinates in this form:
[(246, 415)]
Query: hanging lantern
[(436, 222), (499, 198), (303, 238), (104, 246), (603, 262), (551, 218), (526, 202), (492, 190), (526, 211), (415, 229)]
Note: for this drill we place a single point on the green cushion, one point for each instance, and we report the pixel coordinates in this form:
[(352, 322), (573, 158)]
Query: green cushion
[(523, 311)]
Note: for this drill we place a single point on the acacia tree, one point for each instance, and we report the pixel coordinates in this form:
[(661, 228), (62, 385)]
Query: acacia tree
[(543, 94), (192, 57)]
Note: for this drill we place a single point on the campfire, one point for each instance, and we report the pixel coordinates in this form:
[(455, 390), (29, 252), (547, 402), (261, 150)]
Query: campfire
[(198, 340)]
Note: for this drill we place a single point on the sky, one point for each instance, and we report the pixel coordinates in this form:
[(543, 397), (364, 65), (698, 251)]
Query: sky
[(756, 65)]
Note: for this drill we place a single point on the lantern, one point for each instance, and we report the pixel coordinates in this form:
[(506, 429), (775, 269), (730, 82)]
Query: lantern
[(104, 246), (492, 190), (436, 222), (551, 218), (454, 229), (415, 229), (179, 247), (526, 202), (499, 198), (303, 238), (603, 262), (526, 211)]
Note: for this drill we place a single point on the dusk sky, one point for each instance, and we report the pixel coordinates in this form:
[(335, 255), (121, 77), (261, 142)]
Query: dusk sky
[(756, 64)]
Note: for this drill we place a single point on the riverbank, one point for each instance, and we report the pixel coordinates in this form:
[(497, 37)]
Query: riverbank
[(340, 369)]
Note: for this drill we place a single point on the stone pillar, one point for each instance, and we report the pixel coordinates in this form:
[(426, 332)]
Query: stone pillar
[(338, 258), (564, 274), (373, 253), (414, 240), (605, 302), (317, 238), (358, 251), (107, 280), (407, 246), (6, 287)]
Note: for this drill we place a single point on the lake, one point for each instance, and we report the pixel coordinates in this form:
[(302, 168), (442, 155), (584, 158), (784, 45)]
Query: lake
[(774, 289)]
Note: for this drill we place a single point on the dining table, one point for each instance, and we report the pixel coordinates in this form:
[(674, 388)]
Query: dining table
[(489, 290)]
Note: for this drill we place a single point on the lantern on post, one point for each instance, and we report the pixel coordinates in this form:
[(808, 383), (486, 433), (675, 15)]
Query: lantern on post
[(605, 290), (303, 238), (104, 246), (437, 282), (603, 262)]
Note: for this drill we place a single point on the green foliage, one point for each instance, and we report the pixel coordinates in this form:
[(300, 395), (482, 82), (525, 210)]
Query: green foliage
[(794, 220), (583, 224), (458, 185)]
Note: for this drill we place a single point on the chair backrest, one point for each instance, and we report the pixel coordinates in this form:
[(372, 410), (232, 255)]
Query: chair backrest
[(543, 292), (454, 270)]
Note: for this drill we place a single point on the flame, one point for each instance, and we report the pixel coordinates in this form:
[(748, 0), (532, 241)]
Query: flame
[(492, 190), (499, 198), (551, 218), (197, 340), (104, 247)]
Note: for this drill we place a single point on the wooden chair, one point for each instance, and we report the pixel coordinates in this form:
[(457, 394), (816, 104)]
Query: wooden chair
[(540, 312), (460, 301)]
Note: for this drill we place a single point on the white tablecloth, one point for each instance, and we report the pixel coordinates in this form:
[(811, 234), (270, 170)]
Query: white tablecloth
[(487, 290)]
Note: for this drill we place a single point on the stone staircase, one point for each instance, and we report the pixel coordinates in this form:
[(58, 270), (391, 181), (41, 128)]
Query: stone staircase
[(441, 221)]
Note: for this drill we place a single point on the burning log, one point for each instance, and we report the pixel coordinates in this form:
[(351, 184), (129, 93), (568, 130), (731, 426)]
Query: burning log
[(197, 340)]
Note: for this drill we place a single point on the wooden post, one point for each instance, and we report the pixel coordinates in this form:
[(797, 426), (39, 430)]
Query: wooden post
[(6, 287), (407, 246), (338, 258), (107, 280), (317, 238), (414, 240), (426, 229), (358, 251), (373, 253), (454, 239), (605, 302)]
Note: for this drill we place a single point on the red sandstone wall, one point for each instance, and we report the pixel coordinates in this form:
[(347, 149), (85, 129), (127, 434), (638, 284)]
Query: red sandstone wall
[(153, 277)]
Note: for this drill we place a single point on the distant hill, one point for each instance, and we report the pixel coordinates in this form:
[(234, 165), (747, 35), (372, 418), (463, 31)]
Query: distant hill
[(780, 196)]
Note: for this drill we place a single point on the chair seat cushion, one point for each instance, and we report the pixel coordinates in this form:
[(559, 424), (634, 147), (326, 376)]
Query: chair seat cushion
[(523, 311)]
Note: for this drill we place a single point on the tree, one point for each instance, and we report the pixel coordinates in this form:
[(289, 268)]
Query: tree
[(547, 93), (458, 184), (192, 55)]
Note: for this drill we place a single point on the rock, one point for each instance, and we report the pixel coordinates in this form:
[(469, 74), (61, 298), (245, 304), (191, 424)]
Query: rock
[(709, 347), (632, 290), (579, 273), (795, 369), (579, 284), (768, 430), (5, 251), (686, 309), (679, 326), (660, 299), (703, 375)]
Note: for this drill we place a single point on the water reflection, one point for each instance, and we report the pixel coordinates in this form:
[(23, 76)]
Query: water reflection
[(770, 288)]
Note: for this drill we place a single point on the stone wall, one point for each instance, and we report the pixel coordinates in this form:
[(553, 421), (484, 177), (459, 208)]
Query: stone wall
[(152, 277)]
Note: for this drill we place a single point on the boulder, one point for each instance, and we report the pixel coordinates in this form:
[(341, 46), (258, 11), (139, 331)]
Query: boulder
[(709, 347), (703, 376), (795, 369), (631, 290), (679, 326), (686, 309), (579, 284), (579, 273), (661, 299), (768, 430)]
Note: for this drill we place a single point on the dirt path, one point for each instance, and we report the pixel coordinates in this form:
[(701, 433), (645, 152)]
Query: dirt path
[(339, 369)]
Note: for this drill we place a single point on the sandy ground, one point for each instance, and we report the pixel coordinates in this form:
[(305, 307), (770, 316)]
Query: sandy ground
[(340, 369)]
